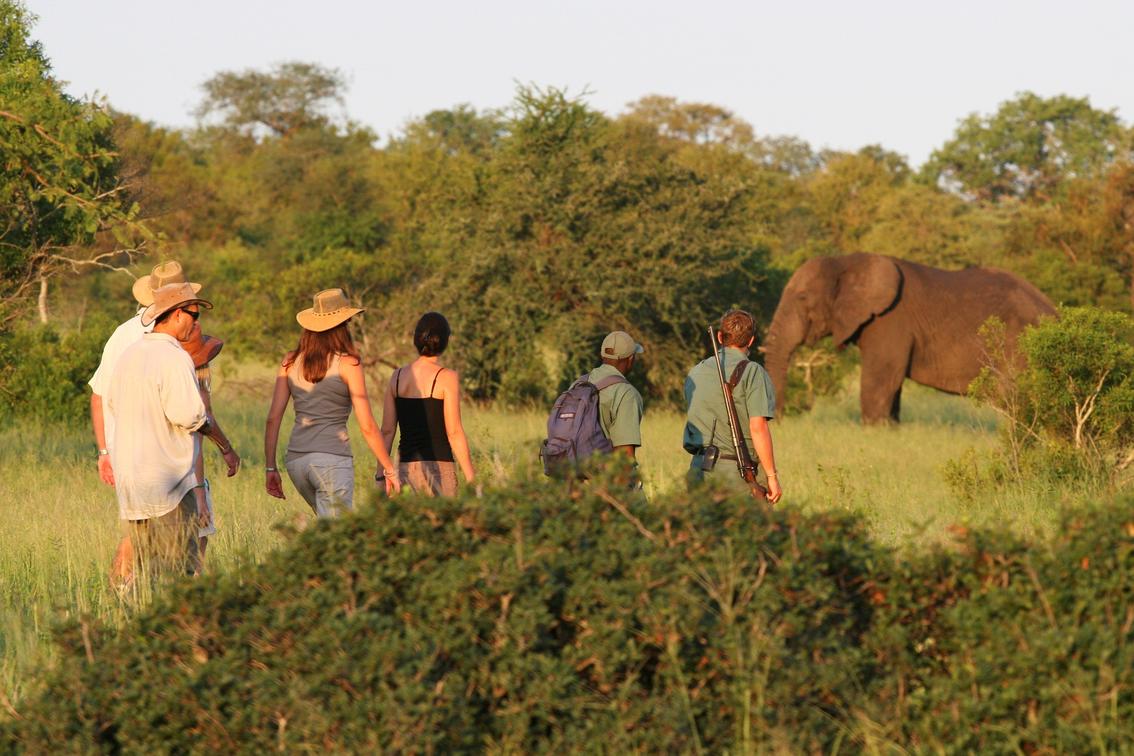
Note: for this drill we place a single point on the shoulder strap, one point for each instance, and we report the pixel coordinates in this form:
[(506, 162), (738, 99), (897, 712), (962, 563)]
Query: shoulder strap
[(397, 382), (609, 381), (737, 374), (439, 372)]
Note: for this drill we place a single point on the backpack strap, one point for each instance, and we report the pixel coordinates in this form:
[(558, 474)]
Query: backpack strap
[(609, 381), (737, 374)]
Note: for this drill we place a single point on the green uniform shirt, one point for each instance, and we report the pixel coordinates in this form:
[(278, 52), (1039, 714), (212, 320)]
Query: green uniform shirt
[(620, 409), (706, 420)]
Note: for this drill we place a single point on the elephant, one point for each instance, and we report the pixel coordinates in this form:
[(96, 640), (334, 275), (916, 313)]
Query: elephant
[(909, 321)]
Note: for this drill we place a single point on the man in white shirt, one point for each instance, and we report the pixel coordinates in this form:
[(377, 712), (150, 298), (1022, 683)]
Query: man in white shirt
[(157, 406), (102, 421), (122, 338)]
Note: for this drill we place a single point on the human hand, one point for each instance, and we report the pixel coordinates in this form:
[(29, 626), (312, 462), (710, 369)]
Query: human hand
[(202, 510), (105, 471), (393, 485), (774, 491), (274, 484), (232, 459)]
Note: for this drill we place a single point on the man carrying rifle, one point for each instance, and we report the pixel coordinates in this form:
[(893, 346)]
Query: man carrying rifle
[(708, 436)]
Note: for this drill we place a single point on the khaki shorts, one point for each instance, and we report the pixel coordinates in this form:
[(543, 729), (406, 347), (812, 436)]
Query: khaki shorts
[(429, 478), (168, 544)]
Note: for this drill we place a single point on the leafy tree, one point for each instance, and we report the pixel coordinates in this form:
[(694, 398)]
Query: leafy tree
[(1028, 147), (59, 186), (696, 122), (289, 97), (849, 190), (460, 129)]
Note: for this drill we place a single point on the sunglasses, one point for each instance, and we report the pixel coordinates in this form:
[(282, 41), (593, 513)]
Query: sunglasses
[(195, 314)]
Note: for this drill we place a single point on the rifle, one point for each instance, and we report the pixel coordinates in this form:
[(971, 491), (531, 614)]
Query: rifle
[(745, 465)]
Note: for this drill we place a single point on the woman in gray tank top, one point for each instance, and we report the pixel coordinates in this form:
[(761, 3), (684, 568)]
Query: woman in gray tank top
[(324, 377)]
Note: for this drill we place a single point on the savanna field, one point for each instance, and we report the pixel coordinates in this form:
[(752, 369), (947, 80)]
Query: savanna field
[(60, 522)]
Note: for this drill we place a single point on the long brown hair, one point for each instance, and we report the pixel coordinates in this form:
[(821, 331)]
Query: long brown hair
[(318, 348)]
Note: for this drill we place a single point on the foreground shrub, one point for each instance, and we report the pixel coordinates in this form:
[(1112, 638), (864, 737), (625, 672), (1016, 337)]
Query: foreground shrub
[(547, 619)]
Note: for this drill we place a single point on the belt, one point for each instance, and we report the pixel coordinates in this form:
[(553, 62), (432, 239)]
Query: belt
[(730, 457)]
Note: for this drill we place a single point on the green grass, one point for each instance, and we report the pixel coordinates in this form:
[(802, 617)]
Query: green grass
[(59, 522)]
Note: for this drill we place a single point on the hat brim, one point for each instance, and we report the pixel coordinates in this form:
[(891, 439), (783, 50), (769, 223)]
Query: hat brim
[(318, 323), (205, 350), (153, 312), (145, 295)]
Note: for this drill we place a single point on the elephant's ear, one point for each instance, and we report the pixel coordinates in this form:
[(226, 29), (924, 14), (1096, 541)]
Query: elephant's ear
[(867, 286)]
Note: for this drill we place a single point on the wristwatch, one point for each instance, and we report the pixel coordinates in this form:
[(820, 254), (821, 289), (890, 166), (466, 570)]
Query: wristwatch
[(104, 452)]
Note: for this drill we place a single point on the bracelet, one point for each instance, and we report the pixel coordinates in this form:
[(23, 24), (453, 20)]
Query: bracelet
[(270, 469), (103, 452), (771, 475), (226, 451)]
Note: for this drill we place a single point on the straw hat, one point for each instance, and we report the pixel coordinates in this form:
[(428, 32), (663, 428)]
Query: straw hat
[(331, 308), (201, 348), (170, 297), (162, 275)]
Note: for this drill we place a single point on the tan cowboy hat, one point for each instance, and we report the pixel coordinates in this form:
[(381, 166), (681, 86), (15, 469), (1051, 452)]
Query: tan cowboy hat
[(201, 348), (331, 308), (162, 275), (170, 297)]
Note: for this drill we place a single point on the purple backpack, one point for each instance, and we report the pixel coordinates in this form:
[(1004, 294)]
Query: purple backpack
[(573, 429)]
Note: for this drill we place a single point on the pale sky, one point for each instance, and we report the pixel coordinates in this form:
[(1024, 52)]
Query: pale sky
[(839, 74)]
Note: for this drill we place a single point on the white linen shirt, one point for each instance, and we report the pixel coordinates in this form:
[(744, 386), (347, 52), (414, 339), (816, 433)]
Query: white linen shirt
[(157, 406), (124, 336)]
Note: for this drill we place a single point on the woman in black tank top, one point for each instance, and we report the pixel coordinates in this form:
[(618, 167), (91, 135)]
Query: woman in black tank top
[(423, 403), (422, 422)]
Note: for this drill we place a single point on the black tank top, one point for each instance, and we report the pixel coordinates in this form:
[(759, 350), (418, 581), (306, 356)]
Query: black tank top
[(422, 425)]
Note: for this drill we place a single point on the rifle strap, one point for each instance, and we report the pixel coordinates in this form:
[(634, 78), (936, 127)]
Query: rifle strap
[(737, 374)]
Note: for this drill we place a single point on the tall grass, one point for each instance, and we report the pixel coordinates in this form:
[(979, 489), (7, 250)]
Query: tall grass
[(59, 526)]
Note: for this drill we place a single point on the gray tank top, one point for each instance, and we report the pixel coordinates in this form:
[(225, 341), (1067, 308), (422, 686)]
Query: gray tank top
[(321, 412)]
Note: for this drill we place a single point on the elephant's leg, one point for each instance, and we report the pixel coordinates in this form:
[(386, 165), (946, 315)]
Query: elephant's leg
[(896, 406), (885, 363)]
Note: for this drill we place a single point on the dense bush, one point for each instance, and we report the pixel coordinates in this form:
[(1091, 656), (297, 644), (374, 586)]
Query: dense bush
[(1067, 396), (545, 618), (44, 374)]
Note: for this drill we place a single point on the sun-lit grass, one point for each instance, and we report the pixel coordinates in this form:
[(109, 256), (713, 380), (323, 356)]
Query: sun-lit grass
[(58, 522)]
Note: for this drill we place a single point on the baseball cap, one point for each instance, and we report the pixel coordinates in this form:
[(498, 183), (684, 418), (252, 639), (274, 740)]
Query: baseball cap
[(619, 345)]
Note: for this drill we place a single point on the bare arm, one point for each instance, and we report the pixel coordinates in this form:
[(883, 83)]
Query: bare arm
[(389, 414), (360, 400), (231, 458), (454, 428), (281, 395), (105, 471), (762, 440), (199, 469)]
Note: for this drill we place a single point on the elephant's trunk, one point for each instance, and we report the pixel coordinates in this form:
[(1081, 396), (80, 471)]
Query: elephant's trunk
[(784, 335)]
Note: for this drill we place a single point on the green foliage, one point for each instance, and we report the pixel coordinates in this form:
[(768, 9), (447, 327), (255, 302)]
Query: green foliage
[(1069, 410), (577, 226), (290, 97), (550, 618), (44, 374), (1028, 147), (58, 183), (1080, 377)]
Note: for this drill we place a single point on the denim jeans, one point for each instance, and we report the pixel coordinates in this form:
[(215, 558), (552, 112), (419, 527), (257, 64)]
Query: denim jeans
[(325, 481)]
